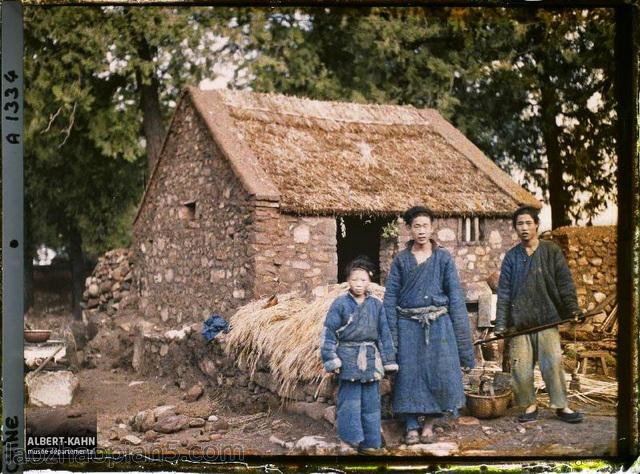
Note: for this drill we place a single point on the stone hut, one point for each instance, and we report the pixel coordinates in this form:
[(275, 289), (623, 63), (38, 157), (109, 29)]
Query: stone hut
[(256, 194)]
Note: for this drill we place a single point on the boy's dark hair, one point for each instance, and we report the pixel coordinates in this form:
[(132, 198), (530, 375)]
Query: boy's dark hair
[(361, 262), (415, 211), (529, 210)]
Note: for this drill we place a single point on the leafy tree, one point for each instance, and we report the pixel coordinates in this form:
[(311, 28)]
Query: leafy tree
[(548, 109), (517, 82), (101, 83)]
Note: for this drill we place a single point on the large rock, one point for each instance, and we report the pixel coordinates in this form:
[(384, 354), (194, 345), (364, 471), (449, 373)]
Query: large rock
[(314, 445), (218, 425), (194, 393), (131, 439), (51, 389), (433, 449), (330, 414), (164, 411), (314, 410), (143, 421), (171, 424), (94, 290), (197, 422)]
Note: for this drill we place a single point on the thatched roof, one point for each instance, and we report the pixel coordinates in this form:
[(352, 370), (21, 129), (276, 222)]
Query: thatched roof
[(319, 157)]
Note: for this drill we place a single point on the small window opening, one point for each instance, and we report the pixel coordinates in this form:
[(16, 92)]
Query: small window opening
[(188, 211), (472, 229)]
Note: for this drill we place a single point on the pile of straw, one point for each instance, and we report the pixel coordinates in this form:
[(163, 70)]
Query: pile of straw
[(591, 390), (284, 337)]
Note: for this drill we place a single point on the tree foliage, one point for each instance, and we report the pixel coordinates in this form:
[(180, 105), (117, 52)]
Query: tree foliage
[(532, 88), (100, 84)]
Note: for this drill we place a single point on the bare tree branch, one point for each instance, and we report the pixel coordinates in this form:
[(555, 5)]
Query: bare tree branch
[(67, 131), (52, 117)]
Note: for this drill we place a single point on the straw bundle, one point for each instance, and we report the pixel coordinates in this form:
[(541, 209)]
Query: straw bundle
[(285, 337), (590, 389)]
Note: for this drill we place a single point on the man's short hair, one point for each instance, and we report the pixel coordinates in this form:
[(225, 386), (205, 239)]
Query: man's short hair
[(415, 211), (529, 210)]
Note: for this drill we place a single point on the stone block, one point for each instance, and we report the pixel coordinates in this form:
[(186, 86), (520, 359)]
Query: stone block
[(143, 421), (314, 410), (495, 238), (51, 389), (300, 265), (301, 234), (330, 414), (446, 235), (171, 424)]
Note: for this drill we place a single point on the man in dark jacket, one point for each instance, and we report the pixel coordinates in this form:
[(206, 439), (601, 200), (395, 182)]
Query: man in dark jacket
[(536, 288)]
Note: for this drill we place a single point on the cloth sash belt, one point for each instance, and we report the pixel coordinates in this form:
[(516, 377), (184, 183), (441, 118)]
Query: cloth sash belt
[(362, 353), (423, 315)]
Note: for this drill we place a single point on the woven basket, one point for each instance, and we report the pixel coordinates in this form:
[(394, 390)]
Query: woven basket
[(488, 406)]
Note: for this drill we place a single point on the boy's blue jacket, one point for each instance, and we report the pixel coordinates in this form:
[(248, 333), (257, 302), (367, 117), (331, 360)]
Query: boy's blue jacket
[(356, 339)]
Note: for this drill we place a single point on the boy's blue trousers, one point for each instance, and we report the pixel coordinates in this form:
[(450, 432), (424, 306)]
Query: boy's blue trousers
[(358, 413)]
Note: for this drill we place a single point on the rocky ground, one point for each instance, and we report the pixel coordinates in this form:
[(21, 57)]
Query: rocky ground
[(158, 414)]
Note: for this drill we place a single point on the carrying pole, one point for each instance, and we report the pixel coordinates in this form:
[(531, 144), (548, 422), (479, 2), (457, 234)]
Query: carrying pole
[(594, 312)]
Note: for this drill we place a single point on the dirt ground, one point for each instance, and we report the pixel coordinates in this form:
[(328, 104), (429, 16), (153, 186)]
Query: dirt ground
[(115, 395)]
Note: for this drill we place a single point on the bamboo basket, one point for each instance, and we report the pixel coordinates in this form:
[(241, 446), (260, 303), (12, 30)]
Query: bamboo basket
[(488, 406)]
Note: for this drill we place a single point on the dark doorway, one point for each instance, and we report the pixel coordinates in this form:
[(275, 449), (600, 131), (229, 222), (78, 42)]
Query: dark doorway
[(359, 236)]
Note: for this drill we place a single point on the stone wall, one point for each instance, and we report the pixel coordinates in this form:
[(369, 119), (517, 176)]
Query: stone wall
[(109, 285), (292, 252), (192, 260), (591, 255), (475, 261)]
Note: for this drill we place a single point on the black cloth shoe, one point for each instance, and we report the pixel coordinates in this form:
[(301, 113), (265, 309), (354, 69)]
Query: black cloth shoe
[(525, 417), (575, 417)]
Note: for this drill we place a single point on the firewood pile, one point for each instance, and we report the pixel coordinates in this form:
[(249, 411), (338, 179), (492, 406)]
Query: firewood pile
[(598, 332)]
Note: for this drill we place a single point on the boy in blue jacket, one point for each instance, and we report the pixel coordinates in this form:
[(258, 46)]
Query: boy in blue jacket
[(357, 345)]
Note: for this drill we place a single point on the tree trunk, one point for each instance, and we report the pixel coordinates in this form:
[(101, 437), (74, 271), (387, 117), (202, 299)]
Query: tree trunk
[(76, 255), (152, 125), (559, 198)]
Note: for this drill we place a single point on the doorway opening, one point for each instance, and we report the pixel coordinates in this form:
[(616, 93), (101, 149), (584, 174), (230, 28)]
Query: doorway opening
[(358, 236)]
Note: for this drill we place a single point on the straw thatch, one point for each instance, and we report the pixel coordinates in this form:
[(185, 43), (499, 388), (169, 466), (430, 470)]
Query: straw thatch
[(284, 337), (335, 157)]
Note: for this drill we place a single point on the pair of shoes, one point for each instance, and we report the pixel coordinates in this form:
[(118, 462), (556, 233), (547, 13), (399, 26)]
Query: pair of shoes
[(412, 437), (525, 417), (575, 417)]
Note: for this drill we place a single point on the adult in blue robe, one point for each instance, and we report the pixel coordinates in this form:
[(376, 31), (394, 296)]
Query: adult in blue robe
[(432, 348)]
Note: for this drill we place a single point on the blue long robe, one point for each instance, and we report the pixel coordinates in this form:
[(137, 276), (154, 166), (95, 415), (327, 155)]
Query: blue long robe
[(429, 379)]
